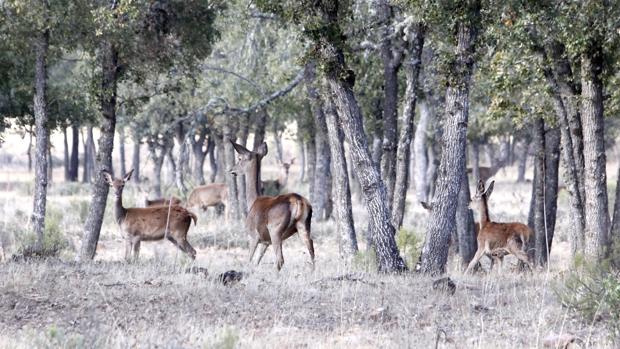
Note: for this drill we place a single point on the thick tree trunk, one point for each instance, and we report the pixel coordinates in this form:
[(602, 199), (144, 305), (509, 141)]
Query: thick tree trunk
[(42, 136), (373, 188), (419, 151), (135, 160), (232, 206), (467, 243), (442, 220), (94, 219), (552, 164), (537, 202), (341, 189), (66, 163), (121, 151), (322, 175), (412, 71), (74, 165), (597, 213)]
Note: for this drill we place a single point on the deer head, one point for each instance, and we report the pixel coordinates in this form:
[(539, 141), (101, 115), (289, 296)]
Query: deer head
[(482, 193), (247, 159), (117, 184), (286, 166)]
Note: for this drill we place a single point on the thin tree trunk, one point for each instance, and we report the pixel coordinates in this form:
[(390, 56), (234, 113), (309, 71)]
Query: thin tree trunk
[(74, 165), (211, 154), (89, 158), (538, 192), (412, 71), (121, 151), (302, 159), (475, 163), (220, 158), (29, 151), (158, 163), (260, 126), (466, 235), (135, 160), (552, 164), (311, 163), (232, 206), (442, 220), (522, 161), (67, 165), (181, 134), (244, 125), (85, 162), (50, 164), (597, 212), (42, 137), (200, 155), (419, 151), (341, 189), (615, 225), (94, 219)]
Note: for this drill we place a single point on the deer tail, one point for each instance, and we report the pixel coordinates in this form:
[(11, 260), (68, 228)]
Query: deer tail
[(193, 217)]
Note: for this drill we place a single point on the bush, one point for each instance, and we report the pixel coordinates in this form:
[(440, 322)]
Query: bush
[(366, 260), (54, 240), (410, 246), (593, 291)]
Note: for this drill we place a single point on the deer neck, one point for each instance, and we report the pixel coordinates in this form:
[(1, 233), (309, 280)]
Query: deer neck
[(120, 212), (252, 182), (484, 212), (283, 179)]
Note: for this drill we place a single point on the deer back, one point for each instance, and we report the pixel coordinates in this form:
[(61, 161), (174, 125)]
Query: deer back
[(149, 223), (208, 195)]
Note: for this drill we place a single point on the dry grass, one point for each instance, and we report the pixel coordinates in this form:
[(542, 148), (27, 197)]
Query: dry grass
[(154, 303)]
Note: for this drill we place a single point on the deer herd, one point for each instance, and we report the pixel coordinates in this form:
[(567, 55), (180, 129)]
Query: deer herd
[(273, 218)]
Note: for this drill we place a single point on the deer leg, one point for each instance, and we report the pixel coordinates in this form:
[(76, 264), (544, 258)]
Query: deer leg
[(479, 253), (519, 253), (136, 250), (188, 249), (253, 245), (277, 247), (261, 253), (128, 248), (304, 233)]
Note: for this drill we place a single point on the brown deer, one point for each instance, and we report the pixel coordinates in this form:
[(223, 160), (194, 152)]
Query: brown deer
[(205, 196), (497, 239), (162, 202), (149, 223), (274, 186), (271, 219)]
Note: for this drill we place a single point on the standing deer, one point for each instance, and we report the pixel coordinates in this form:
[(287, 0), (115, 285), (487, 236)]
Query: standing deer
[(149, 223), (271, 219), (205, 196), (274, 186), (498, 239)]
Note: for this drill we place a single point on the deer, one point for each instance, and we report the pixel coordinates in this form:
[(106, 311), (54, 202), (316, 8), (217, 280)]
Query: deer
[(497, 239), (275, 186), (162, 202), (149, 223), (271, 219), (205, 196)]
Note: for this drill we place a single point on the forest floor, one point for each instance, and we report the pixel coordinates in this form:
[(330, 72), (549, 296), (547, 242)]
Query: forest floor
[(156, 303)]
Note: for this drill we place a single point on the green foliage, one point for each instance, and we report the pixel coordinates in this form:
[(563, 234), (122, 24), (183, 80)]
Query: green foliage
[(410, 246), (366, 260), (593, 291), (54, 240)]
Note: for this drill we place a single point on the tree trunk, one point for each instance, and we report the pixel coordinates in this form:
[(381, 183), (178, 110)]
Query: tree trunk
[(67, 165), (244, 125), (181, 134), (158, 163), (121, 151), (29, 151), (419, 151), (538, 193), (466, 235), (442, 220), (597, 213), (311, 163), (200, 155), (522, 161), (552, 164), (94, 219), (412, 71), (74, 165), (277, 137), (232, 206), (211, 153), (260, 126), (302, 159), (341, 189), (375, 194), (89, 157), (42, 136), (220, 158), (475, 163), (135, 160), (50, 163), (615, 225), (322, 171)]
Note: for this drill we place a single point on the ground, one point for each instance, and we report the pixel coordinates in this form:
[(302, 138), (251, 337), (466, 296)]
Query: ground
[(157, 303)]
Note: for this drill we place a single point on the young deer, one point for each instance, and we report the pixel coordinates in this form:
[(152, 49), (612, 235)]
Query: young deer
[(150, 223), (497, 239), (271, 220), (205, 196), (274, 187)]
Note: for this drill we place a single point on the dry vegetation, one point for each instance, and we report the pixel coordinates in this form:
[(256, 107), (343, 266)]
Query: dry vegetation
[(156, 303)]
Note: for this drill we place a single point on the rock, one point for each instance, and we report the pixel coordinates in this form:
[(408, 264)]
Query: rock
[(230, 277)]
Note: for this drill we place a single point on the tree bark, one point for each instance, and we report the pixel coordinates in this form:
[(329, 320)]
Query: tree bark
[(200, 155), (615, 225), (442, 220), (301, 154), (341, 189), (537, 203), (29, 151), (597, 212), (212, 161), (89, 157), (42, 138), (412, 71), (522, 161), (311, 163), (181, 134), (552, 164), (66, 164), (121, 151), (220, 158), (74, 165), (158, 162), (419, 152), (260, 126), (244, 125), (466, 235), (135, 160), (232, 206), (94, 219)]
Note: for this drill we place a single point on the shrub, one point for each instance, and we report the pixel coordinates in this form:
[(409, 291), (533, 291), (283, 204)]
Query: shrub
[(54, 240), (593, 291), (366, 260), (409, 245)]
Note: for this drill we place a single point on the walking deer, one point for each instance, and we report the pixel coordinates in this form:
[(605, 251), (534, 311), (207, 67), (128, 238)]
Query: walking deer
[(497, 239), (149, 223), (271, 219), (205, 196), (274, 186)]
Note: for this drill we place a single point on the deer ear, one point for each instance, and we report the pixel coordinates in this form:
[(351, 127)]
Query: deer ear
[(128, 175), (426, 205), (480, 186), (489, 189), (107, 177), (262, 149), (240, 149)]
